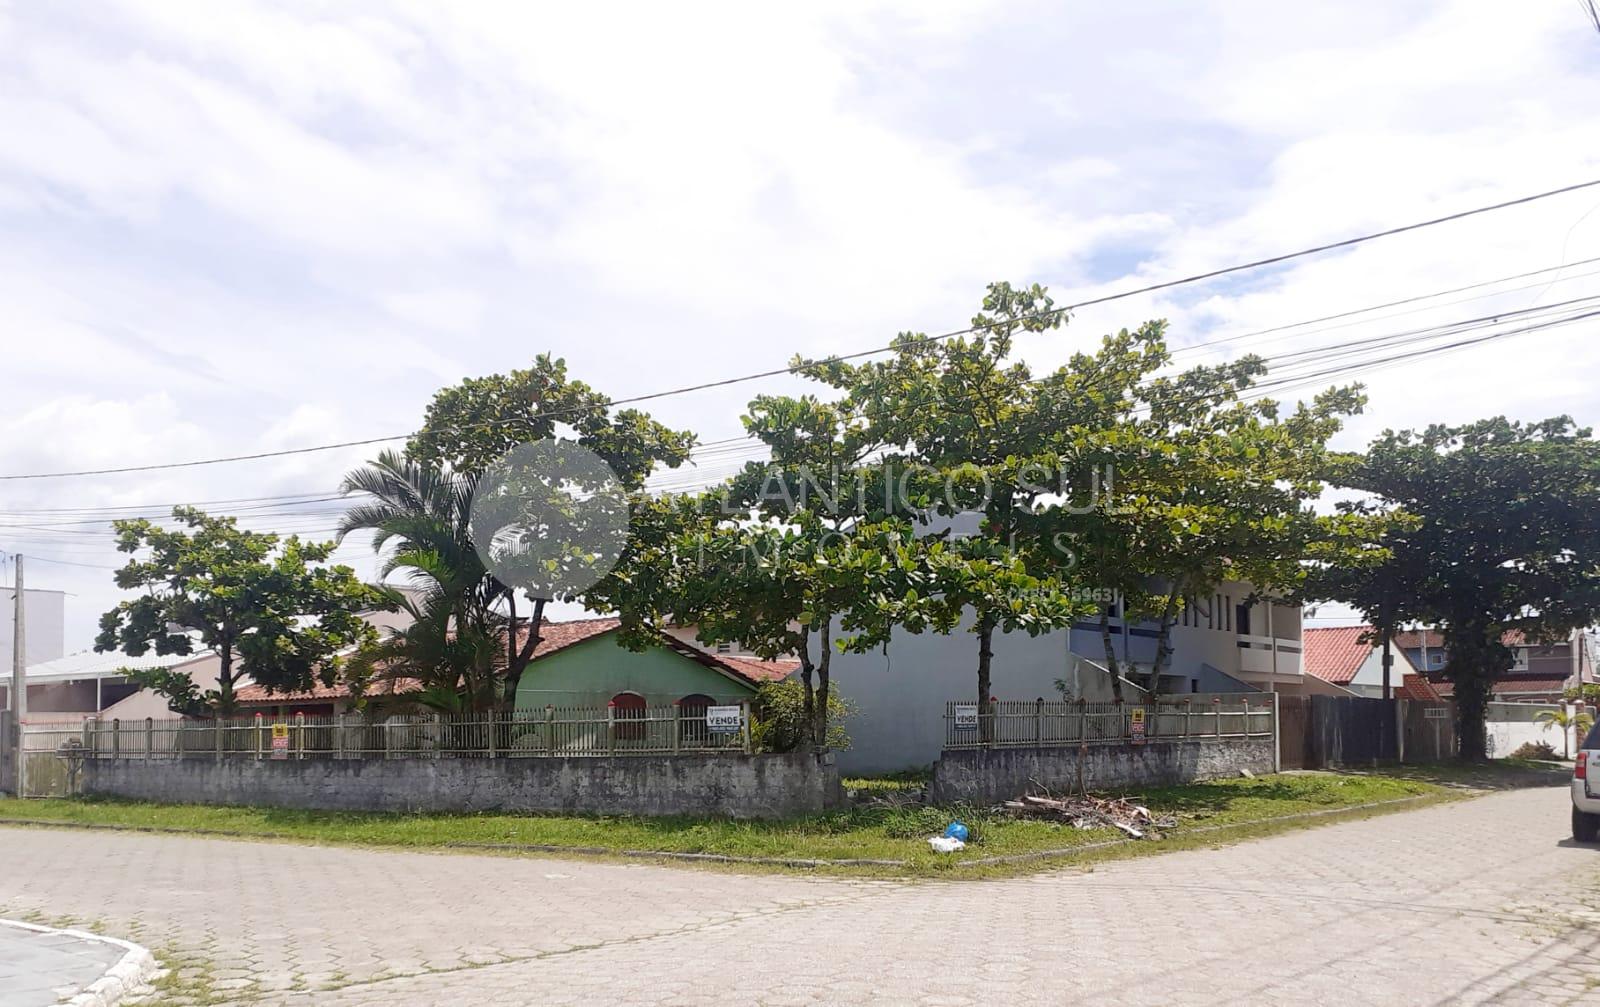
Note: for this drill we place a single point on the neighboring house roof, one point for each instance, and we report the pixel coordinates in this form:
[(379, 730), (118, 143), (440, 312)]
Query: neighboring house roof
[(88, 664), (554, 637), (1510, 685), (257, 695), (1335, 653), (1433, 639), (1418, 687)]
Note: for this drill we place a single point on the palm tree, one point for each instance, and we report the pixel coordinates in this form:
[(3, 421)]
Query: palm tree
[(457, 670), (424, 512), (1570, 720)]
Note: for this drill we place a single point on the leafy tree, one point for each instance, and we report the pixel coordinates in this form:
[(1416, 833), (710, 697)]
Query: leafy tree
[(794, 558), (975, 435), (472, 425), (1507, 536), (271, 610)]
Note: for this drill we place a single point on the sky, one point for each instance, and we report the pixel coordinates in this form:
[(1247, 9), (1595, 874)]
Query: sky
[(235, 228)]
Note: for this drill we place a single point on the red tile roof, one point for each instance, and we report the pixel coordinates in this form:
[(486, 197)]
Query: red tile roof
[(1335, 653), (1419, 688), (553, 638), (1510, 685), (1412, 639), (258, 695)]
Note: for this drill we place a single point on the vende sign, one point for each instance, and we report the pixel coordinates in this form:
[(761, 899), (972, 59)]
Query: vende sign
[(1136, 725), (724, 719), (966, 716)]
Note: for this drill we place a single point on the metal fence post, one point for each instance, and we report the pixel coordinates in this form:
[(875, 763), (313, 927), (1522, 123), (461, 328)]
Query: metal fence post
[(677, 726), (494, 729), (744, 720), (116, 737), (255, 736), (1083, 721), (549, 729), (438, 734), (1188, 715), (338, 736), (1038, 721), (611, 728), (1216, 704), (149, 738), (300, 731), (216, 731)]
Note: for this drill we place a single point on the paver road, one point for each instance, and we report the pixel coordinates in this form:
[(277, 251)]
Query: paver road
[(1485, 901)]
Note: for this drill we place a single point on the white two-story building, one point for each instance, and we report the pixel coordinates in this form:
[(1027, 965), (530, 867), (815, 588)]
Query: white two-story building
[(1220, 644)]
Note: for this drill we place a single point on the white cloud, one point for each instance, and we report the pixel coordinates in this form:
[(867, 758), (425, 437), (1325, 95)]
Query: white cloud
[(246, 227)]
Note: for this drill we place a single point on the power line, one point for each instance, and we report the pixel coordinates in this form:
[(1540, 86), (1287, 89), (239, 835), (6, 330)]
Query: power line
[(777, 372)]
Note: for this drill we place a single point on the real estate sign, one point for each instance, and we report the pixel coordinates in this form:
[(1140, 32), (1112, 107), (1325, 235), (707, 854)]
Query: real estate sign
[(280, 740), (1136, 725), (966, 716), (724, 719)]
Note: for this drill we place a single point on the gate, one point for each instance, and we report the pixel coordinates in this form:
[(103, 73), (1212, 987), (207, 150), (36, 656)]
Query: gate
[(51, 758), (1430, 731), (1294, 724)]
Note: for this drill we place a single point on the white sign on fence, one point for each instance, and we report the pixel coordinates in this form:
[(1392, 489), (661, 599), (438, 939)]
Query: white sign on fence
[(966, 715), (723, 719)]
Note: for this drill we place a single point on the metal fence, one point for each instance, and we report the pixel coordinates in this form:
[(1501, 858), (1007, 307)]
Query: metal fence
[(554, 731), (1055, 724)]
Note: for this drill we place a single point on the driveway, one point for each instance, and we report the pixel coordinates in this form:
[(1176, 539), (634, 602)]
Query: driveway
[(1484, 901)]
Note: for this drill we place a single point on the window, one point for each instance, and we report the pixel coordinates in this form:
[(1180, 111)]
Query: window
[(1519, 659), (725, 647), (628, 716), (692, 718), (1227, 612), (1436, 659), (1242, 618)]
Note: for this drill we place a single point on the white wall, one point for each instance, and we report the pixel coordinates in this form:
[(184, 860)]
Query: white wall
[(45, 632)]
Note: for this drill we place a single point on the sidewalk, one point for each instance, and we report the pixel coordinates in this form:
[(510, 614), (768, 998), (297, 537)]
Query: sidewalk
[(40, 966)]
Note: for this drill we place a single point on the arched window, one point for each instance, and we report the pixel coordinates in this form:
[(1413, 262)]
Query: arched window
[(692, 718), (627, 716)]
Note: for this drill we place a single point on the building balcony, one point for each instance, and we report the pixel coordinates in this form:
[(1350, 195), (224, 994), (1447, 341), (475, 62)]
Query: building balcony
[(1266, 655)]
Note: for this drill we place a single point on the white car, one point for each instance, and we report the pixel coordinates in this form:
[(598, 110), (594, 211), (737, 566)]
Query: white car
[(1586, 789)]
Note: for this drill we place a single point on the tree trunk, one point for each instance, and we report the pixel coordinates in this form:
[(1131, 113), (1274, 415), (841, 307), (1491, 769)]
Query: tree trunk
[(986, 624), (820, 732), (1472, 670), (518, 658), (809, 705), (226, 707), (1111, 654), (1163, 638)]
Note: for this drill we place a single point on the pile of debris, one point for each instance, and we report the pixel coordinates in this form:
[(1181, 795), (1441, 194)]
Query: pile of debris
[(1090, 812)]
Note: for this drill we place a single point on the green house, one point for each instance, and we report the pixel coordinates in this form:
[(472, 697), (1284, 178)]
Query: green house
[(581, 664)]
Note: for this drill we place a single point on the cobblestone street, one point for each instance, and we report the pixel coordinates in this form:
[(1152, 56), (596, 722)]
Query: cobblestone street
[(1485, 901)]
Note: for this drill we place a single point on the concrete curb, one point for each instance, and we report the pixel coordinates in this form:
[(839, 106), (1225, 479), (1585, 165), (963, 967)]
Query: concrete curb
[(129, 972)]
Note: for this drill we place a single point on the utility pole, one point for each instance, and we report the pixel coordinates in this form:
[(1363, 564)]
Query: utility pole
[(19, 672)]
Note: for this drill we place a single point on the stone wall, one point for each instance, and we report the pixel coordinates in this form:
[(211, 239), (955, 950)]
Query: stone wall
[(987, 776), (739, 786)]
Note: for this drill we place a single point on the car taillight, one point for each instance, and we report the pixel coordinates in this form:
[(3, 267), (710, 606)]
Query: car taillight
[(1581, 770)]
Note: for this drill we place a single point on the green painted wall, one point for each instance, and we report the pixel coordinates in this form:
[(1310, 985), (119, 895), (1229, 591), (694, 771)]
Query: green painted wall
[(591, 672)]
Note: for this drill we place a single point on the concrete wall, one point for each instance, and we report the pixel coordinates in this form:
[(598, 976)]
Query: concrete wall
[(990, 775), (759, 786)]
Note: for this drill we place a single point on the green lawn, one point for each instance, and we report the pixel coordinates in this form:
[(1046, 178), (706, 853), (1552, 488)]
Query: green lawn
[(873, 832)]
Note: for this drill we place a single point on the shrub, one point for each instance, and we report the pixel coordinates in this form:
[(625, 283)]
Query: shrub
[(780, 722), (1535, 750)]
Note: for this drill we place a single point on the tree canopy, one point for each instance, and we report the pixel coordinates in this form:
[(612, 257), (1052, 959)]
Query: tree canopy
[(270, 609), (1507, 539)]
